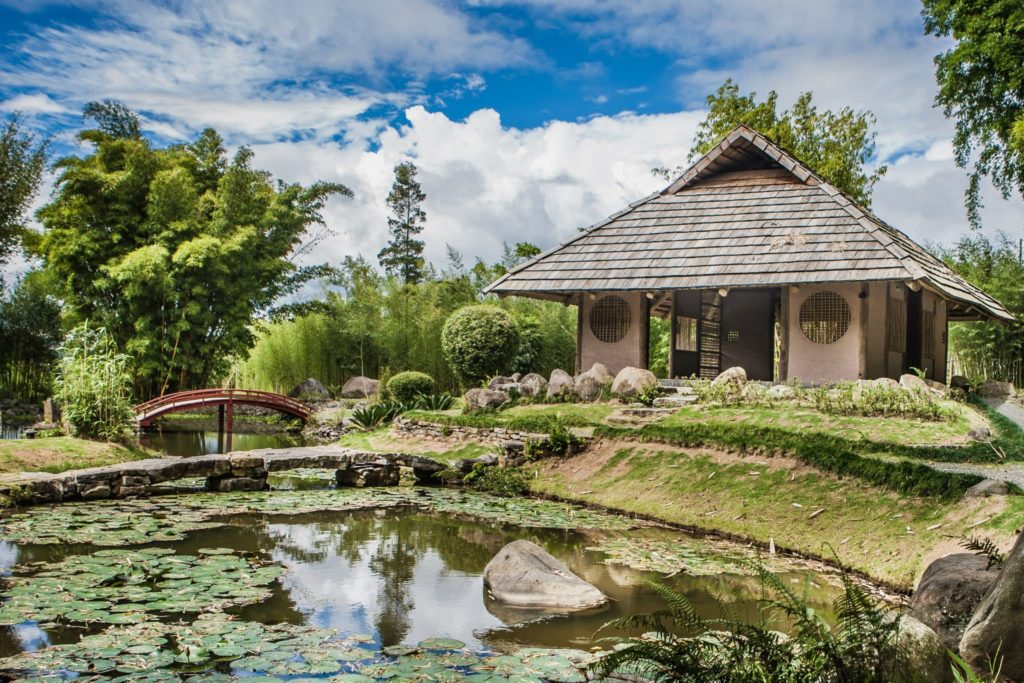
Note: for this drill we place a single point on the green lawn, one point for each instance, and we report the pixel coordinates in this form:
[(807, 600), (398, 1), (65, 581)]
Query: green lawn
[(383, 441), (529, 418), (62, 453)]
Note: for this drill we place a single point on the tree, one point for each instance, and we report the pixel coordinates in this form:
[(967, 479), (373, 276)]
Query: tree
[(981, 87), (836, 146), (176, 251), (30, 332), (480, 342), (22, 161), (403, 257)]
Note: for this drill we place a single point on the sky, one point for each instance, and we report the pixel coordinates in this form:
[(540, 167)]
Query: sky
[(528, 119)]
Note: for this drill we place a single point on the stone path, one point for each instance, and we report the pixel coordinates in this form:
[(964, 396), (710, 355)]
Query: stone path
[(238, 471), (1011, 472)]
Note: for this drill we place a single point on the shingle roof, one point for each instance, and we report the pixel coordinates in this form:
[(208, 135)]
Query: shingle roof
[(747, 214)]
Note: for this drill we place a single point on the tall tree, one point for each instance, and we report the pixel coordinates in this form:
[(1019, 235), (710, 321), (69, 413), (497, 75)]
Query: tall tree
[(981, 87), (837, 146), (403, 256), (22, 161), (175, 251)]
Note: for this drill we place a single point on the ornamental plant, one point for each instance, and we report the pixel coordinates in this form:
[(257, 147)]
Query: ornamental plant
[(479, 342), (408, 386), (94, 384)]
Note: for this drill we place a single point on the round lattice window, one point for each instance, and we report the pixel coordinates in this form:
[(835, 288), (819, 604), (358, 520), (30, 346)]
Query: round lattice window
[(609, 319), (824, 317)]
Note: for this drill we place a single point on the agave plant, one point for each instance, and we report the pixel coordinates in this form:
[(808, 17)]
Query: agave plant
[(377, 414), (435, 402)]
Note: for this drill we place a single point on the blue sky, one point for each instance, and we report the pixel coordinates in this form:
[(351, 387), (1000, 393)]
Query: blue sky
[(527, 118)]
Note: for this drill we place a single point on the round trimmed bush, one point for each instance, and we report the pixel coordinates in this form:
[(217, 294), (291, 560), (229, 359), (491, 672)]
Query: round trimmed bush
[(408, 386), (479, 342)]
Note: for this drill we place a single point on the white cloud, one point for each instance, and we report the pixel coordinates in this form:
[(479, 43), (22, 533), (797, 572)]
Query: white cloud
[(34, 103)]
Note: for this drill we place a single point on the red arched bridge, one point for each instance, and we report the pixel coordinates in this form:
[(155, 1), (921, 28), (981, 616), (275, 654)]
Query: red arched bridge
[(226, 399)]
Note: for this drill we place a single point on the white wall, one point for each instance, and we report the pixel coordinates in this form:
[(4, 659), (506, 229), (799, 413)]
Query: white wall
[(820, 363), (628, 352)]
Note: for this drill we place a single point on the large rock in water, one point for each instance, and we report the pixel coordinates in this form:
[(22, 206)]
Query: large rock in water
[(950, 590), (631, 381), (525, 575), (360, 387), (561, 384), (532, 385), (311, 390), (591, 384), (997, 626)]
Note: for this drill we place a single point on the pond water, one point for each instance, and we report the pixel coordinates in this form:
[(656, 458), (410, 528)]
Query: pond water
[(398, 574), (186, 443)]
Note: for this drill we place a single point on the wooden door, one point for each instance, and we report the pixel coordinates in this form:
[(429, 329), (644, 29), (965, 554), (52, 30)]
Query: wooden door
[(748, 332)]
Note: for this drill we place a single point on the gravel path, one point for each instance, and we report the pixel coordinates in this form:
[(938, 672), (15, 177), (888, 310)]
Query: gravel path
[(1012, 472)]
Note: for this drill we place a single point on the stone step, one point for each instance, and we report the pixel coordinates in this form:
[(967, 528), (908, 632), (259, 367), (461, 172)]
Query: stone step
[(677, 401)]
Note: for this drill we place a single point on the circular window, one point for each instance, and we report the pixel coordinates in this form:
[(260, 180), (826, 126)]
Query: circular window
[(824, 317), (609, 319)]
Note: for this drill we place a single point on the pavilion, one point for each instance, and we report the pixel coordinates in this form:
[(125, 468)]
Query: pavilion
[(758, 263)]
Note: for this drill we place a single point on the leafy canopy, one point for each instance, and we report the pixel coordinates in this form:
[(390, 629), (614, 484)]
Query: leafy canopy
[(403, 256), (175, 251), (981, 87), (836, 146), (480, 342), (22, 161)]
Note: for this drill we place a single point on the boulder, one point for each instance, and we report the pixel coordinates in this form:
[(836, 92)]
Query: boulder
[(310, 390), (886, 383), (631, 381), (517, 376), (561, 384), (997, 626), (532, 385), (938, 387), (525, 575), (734, 375), (360, 387), (959, 382), (592, 383), (499, 381), (980, 434), (781, 392), (991, 388), (484, 399), (987, 487), (914, 383), (949, 592), (924, 654)]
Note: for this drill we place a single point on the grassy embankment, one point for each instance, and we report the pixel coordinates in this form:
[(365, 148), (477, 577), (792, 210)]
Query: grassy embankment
[(62, 453), (812, 482)]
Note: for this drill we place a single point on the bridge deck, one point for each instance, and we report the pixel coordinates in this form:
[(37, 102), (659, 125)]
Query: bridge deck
[(146, 413)]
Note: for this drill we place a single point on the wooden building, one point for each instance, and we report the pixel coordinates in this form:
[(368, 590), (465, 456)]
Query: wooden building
[(760, 263)]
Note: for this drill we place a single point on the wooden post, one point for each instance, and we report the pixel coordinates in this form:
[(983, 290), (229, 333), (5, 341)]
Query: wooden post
[(579, 332), (784, 334), (230, 425), (862, 361), (220, 419)]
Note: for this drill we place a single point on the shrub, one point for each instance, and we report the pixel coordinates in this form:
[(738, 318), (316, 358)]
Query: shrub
[(479, 342), (376, 414), (94, 384), (871, 400), (434, 402), (410, 385), (503, 481)]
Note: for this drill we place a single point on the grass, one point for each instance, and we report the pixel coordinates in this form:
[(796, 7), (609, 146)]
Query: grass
[(383, 441), (880, 532), (62, 453), (539, 418)]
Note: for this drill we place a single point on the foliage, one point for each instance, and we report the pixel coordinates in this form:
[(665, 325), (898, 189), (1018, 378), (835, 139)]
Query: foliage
[(989, 350), (981, 87), (435, 402), (681, 645), (94, 384), (403, 256), (22, 161), (407, 386), (836, 146), (850, 398), (479, 342), (30, 332), (175, 251), (965, 673), (376, 414), (659, 342), (502, 481), (986, 548), (648, 393)]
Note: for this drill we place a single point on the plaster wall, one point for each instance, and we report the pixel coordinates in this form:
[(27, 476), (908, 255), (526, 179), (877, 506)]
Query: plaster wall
[(627, 352), (823, 363)]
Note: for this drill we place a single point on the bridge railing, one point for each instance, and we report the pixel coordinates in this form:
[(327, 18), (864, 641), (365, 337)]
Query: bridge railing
[(204, 396)]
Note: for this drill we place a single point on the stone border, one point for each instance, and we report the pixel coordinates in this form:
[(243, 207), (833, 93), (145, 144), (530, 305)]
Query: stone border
[(238, 471)]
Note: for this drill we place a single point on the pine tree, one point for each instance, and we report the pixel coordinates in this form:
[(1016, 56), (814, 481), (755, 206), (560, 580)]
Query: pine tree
[(404, 254)]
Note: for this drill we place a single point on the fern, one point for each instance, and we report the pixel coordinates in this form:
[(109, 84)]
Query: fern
[(985, 547)]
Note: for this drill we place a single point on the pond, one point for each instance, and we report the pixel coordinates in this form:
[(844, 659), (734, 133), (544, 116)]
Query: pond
[(382, 567), (186, 443)]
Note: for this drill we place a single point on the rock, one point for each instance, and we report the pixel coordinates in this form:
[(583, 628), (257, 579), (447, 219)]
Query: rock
[(591, 384), (937, 387), (886, 383), (987, 487), (368, 475), (924, 654), (735, 375), (516, 376), (959, 382), (484, 399), (310, 390), (997, 626), (949, 592), (51, 411), (360, 387), (914, 383), (676, 401), (96, 492), (631, 381), (524, 574), (980, 434), (991, 388), (753, 391), (781, 392), (532, 385), (561, 384), (499, 381), (228, 484)]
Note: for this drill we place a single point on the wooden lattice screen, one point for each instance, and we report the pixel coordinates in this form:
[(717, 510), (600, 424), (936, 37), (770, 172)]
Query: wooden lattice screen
[(609, 319), (825, 317)]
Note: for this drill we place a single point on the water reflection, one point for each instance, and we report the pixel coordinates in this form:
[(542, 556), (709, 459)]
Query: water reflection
[(188, 443)]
